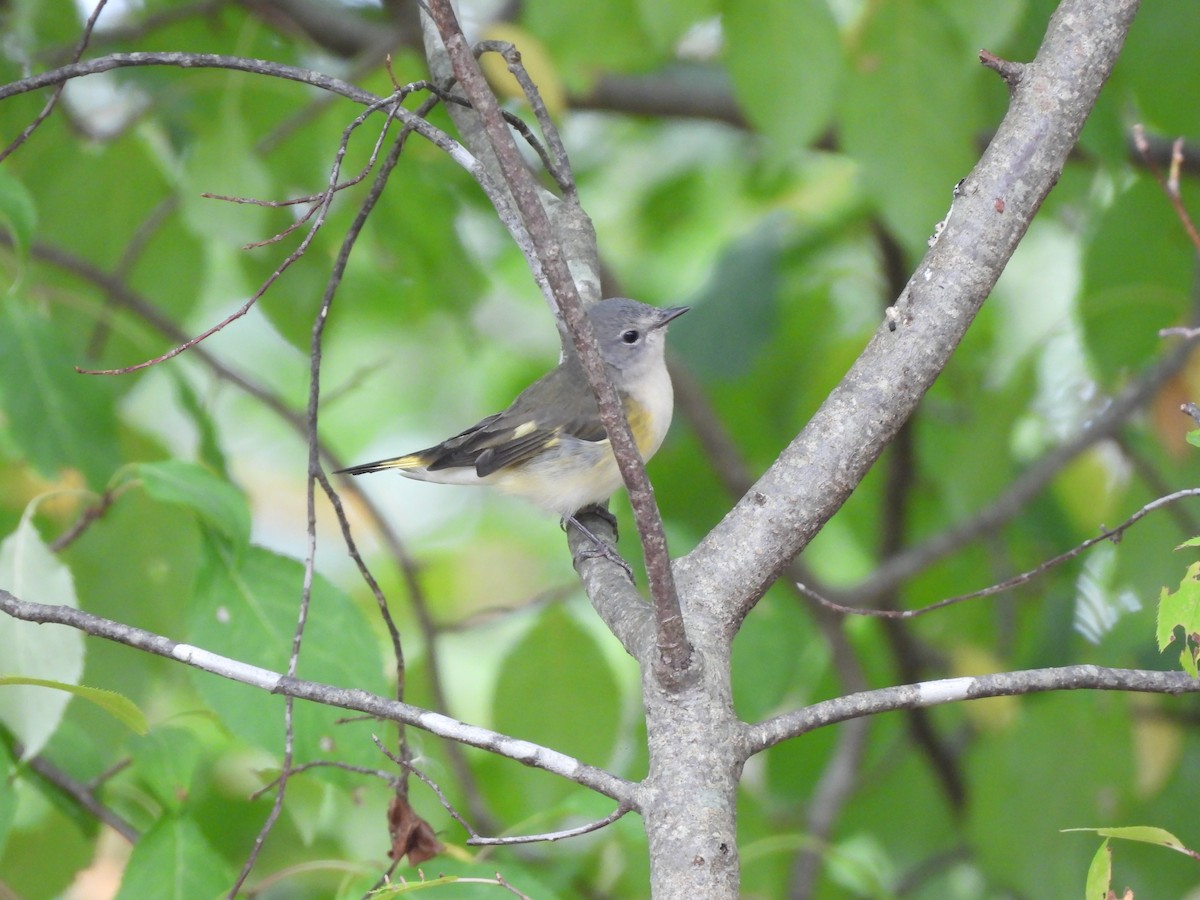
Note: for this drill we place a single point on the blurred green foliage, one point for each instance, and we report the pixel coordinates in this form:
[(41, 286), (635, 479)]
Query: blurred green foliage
[(863, 116)]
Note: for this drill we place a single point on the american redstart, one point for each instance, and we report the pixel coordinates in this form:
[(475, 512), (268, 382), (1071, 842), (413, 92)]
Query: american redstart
[(549, 446)]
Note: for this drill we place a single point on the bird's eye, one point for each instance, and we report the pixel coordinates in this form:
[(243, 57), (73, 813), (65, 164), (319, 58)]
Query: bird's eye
[(631, 336)]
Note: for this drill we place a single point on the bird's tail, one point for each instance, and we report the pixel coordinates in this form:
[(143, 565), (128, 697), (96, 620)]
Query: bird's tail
[(411, 461)]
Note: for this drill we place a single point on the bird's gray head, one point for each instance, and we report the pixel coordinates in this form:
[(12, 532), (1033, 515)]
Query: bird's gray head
[(631, 335)]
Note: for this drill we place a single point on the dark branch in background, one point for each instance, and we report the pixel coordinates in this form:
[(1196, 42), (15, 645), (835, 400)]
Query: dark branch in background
[(81, 793), (130, 255), (682, 92), (908, 656), (525, 752), (673, 656), (337, 28)]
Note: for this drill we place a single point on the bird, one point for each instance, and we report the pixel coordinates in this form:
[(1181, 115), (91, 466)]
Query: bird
[(549, 446)]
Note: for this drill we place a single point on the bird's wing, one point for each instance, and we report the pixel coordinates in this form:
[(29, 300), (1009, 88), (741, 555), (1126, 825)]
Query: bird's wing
[(549, 410), (556, 407)]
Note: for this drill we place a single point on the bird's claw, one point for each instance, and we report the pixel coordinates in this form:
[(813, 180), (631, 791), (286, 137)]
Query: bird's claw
[(600, 548)]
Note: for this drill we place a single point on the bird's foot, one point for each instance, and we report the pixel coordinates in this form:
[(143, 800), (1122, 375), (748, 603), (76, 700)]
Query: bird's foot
[(600, 548)]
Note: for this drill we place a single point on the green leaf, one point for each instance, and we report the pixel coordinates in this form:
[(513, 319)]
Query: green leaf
[(1193, 437), (222, 161), (785, 59), (557, 689), (18, 211), (245, 607), (209, 449), (666, 21), (1138, 271), (728, 338), (1121, 324), (175, 861), (29, 570), (590, 37), (216, 502), (907, 115), (576, 710), (8, 796), (1181, 609), (1014, 817), (989, 25), (116, 705), (1162, 95), (57, 417), (1145, 834), (1099, 876), (165, 760)]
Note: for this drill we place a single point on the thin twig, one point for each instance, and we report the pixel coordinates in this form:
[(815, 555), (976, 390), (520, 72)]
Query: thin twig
[(557, 164), (183, 60), (122, 294), (80, 46), (328, 764), (475, 839), (1028, 485), (86, 518), (1106, 534), (322, 209), (1170, 184)]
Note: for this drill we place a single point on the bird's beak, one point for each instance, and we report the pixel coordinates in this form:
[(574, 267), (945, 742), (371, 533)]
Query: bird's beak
[(671, 312)]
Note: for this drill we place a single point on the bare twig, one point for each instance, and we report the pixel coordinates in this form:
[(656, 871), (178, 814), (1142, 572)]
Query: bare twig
[(1106, 534), (557, 163), (1010, 71), (89, 515), (328, 764), (1024, 488), (1169, 184), (477, 840), (80, 46), (549, 836), (316, 474), (124, 296), (321, 209), (183, 60)]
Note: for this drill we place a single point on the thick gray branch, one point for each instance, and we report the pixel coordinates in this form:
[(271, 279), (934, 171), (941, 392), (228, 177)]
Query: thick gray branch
[(530, 754), (951, 690), (815, 474)]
